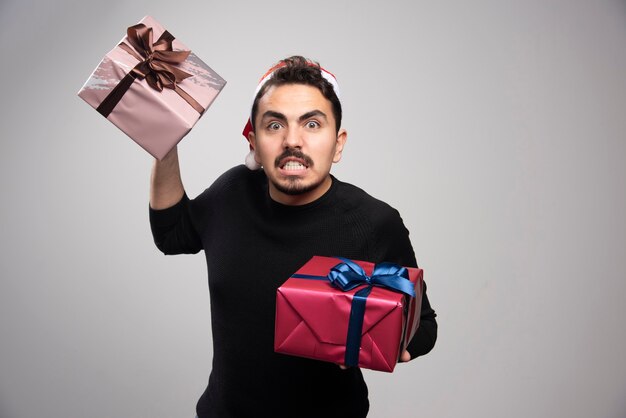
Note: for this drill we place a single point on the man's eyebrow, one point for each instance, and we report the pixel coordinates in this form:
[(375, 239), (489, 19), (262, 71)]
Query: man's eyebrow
[(275, 115), (311, 114)]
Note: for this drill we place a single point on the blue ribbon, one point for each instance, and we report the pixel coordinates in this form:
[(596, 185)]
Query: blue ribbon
[(348, 275)]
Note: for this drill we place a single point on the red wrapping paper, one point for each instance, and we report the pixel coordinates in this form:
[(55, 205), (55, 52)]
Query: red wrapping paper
[(312, 318)]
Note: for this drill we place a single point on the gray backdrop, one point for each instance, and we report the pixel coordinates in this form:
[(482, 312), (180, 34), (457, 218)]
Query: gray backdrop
[(496, 128)]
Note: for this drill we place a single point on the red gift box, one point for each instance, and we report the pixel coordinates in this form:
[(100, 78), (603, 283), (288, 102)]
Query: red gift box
[(313, 316), (152, 87)]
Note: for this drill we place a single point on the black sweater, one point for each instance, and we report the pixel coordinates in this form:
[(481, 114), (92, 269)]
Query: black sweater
[(252, 245)]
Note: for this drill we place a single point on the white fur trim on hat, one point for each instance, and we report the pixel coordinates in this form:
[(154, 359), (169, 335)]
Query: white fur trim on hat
[(251, 161)]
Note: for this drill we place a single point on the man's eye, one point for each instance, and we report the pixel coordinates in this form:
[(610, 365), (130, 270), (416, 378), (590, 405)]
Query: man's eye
[(312, 124), (274, 126)]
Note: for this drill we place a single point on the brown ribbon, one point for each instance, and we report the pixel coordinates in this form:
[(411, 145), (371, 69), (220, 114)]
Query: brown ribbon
[(157, 64)]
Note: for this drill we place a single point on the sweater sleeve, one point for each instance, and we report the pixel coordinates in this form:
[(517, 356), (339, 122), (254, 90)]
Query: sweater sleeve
[(393, 240), (426, 335), (173, 230)]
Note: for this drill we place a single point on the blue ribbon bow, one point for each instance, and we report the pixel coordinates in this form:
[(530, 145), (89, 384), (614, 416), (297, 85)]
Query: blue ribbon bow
[(348, 275)]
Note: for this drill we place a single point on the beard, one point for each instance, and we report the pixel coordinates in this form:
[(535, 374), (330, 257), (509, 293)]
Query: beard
[(293, 186)]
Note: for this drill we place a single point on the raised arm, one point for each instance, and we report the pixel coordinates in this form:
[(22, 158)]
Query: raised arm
[(170, 221), (166, 186)]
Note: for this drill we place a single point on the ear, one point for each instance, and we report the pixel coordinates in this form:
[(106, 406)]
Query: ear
[(342, 137), (252, 140)]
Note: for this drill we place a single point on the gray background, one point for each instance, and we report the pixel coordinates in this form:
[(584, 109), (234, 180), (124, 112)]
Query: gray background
[(496, 128)]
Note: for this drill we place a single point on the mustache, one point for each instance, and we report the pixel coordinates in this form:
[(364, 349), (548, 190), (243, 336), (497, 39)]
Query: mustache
[(293, 153)]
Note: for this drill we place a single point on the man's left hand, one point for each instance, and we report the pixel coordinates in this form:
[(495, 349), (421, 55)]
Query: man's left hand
[(406, 356)]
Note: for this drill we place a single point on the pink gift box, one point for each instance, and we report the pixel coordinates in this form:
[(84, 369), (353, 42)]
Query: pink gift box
[(156, 120), (312, 317)]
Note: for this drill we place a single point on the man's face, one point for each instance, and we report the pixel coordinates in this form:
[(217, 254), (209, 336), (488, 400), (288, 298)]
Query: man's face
[(296, 142)]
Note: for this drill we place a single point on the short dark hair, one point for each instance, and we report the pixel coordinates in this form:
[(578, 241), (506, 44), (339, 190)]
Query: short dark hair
[(299, 70)]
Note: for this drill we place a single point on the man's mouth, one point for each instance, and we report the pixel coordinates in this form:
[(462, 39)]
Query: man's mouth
[(293, 161)]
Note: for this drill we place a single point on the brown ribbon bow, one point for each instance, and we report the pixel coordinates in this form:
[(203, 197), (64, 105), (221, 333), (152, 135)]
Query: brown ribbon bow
[(157, 64)]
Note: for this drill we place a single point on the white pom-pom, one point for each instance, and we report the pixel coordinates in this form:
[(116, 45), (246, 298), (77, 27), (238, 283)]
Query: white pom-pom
[(251, 162)]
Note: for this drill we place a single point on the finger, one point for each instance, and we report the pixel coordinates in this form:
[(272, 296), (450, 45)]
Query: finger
[(406, 356)]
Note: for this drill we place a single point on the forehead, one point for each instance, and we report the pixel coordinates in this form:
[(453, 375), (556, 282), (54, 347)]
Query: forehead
[(294, 99)]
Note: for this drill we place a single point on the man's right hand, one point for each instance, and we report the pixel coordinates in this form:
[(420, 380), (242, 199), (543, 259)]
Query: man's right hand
[(166, 186)]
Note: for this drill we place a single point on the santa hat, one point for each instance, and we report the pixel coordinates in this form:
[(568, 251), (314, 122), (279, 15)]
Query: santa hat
[(250, 161)]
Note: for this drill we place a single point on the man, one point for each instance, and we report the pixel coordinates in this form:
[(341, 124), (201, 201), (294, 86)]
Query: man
[(257, 227)]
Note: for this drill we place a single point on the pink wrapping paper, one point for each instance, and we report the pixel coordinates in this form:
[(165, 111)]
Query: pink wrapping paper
[(312, 318), (155, 120)]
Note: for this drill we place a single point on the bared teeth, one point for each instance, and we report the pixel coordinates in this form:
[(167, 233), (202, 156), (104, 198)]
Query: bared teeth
[(293, 165)]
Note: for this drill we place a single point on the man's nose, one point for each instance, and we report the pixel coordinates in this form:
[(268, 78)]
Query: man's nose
[(292, 138)]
